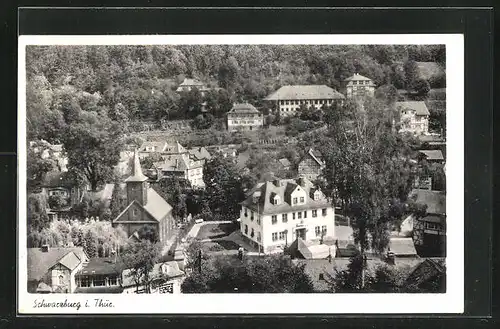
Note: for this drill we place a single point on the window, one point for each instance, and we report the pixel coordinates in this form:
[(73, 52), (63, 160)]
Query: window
[(315, 213), (293, 215), (276, 200), (321, 277), (299, 215), (305, 213), (284, 218), (251, 216), (113, 281), (317, 230), (258, 220), (294, 200), (99, 281), (258, 237), (316, 102), (61, 279), (246, 213), (252, 234), (134, 212), (282, 235), (323, 229), (84, 281), (246, 229), (275, 236), (274, 219), (301, 199), (323, 212)]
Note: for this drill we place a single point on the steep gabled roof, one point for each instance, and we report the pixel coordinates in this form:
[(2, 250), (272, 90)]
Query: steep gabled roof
[(418, 106), (157, 206), (200, 153), (305, 92), (402, 247), (39, 262), (316, 156), (158, 146), (137, 175), (268, 189)]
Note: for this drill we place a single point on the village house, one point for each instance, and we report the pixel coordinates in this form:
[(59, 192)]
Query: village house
[(166, 278), (53, 270), (100, 275), (358, 86), (62, 192), (414, 117), (161, 148), (145, 207), (276, 212), (182, 166), (289, 98), (55, 152), (244, 116), (429, 231), (311, 165)]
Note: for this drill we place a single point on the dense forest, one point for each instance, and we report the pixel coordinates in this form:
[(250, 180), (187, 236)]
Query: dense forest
[(135, 83)]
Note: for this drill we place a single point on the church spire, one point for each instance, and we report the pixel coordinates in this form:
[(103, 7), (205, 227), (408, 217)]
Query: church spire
[(137, 175)]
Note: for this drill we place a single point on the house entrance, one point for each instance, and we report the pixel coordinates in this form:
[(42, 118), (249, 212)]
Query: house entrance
[(301, 233)]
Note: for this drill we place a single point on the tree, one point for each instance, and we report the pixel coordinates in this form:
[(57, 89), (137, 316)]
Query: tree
[(36, 168), (37, 214), (412, 73), (269, 274), (90, 244), (93, 145), (203, 121), (118, 201), (223, 187), (140, 258), (421, 87), (149, 233), (57, 202), (387, 93), (368, 170)]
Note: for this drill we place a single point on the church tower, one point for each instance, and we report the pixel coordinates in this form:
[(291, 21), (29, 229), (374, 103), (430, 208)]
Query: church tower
[(137, 185)]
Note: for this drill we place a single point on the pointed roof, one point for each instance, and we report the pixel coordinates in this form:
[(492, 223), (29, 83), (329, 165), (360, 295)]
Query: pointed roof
[(357, 77), (137, 175)]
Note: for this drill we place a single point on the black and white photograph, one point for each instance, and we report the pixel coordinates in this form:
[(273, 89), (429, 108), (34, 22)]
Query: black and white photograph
[(177, 168)]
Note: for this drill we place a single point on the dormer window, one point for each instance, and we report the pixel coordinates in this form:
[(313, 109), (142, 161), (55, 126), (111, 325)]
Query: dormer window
[(276, 200)]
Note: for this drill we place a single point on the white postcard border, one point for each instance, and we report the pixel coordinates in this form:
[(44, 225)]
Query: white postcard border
[(450, 302)]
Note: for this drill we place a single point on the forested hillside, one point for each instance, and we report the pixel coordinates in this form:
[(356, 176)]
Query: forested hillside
[(130, 83)]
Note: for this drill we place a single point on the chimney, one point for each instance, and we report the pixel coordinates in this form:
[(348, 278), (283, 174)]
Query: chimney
[(276, 182), (45, 248)]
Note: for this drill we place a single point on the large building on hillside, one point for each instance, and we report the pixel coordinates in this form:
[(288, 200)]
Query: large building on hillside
[(414, 117), (275, 213), (160, 148), (311, 165), (358, 86), (145, 207), (190, 84), (244, 116), (290, 98)]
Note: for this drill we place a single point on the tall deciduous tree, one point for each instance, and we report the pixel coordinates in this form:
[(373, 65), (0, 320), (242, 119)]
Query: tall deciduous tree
[(368, 170), (223, 186), (140, 258)]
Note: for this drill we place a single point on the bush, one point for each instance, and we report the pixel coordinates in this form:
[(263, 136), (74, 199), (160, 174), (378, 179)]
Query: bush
[(422, 87), (57, 201)]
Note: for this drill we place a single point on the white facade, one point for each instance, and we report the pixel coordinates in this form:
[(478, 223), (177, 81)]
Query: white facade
[(413, 123), (290, 107), (269, 230)]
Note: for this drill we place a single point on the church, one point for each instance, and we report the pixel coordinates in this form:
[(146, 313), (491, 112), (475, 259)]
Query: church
[(145, 207)]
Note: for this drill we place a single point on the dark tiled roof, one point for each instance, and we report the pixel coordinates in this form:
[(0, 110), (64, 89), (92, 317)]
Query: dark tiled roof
[(39, 262), (315, 155), (305, 92), (269, 189), (418, 106), (200, 153), (425, 271), (102, 266), (435, 200)]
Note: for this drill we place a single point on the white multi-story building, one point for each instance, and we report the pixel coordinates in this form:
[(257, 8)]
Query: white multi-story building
[(277, 212), (290, 98), (358, 86), (414, 117), (244, 117)]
